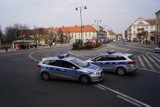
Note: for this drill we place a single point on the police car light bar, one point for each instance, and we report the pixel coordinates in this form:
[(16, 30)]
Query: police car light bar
[(111, 51), (63, 56)]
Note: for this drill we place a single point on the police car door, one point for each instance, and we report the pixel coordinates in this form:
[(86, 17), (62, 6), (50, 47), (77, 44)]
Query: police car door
[(111, 62), (100, 61), (55, 68), (68, 71)]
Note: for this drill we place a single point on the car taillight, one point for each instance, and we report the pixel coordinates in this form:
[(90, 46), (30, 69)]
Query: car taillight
[(131, 62), (38, 65)]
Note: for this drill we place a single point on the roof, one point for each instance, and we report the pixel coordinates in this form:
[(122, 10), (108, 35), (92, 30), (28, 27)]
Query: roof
[(111, 32), (74, 29), (151, 21), (157, 12)]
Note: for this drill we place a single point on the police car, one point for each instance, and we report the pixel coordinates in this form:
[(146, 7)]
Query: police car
[(67, 67), (120, 63)]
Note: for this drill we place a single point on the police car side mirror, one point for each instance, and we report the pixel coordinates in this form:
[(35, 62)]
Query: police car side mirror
[(73, 68)]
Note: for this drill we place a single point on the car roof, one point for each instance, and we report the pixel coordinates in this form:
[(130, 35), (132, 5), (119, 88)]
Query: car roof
[(57, 58), (118, 54)]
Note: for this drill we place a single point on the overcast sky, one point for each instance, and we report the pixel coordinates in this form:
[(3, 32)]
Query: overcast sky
[(116, 14)]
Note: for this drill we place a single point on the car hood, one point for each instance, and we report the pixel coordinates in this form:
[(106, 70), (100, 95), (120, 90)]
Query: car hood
[(93, 68)]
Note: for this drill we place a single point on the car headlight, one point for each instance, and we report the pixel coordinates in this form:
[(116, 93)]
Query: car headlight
[(95, 73)]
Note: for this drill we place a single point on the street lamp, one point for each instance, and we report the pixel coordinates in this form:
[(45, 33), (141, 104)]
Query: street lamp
[(80, 8), (97, 21)]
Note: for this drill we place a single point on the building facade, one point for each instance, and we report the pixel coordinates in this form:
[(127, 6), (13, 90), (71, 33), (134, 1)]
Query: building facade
[(157, 33), (111, 35), (74, 32), (141, 30)]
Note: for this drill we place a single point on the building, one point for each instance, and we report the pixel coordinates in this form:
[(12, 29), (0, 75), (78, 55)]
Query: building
[(141, 29), (157, 33), (89, 33), (111, 35)]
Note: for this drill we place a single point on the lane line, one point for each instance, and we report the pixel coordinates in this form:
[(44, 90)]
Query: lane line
[(127, 100), (99, 87), (30, 56), (128, 97)]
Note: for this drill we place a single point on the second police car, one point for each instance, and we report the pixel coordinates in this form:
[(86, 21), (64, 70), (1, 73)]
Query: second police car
[(120, 63), (66, 67)]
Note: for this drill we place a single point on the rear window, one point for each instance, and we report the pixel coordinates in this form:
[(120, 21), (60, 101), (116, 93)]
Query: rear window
[(46, 62), (131, 57)]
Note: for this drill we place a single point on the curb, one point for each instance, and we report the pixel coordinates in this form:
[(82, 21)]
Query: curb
[(11, 51)]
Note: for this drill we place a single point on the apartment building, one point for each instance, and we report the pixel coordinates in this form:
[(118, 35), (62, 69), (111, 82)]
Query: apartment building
[(111, 35), (157, 33), (88, 33), (141, 29)]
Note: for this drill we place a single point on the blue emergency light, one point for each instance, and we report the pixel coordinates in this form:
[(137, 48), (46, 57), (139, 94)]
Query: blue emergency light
[(63, 56)]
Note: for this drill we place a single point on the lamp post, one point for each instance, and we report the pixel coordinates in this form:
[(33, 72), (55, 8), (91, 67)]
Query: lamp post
[(80, 8), (97, 21)]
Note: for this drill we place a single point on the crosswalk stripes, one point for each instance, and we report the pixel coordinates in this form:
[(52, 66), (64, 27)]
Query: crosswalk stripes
[(141, 62), (153, 60), (149, 61)]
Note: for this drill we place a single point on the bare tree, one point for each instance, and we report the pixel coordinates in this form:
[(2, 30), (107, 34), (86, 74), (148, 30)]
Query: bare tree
[(60, 33), (17, 31), (1, 34)]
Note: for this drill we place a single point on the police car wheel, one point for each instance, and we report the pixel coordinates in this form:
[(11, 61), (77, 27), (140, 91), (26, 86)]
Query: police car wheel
[(121, 71), (84, 79), (45, 76)]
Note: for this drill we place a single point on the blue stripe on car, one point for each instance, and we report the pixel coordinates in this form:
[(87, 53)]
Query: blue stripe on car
[(63, 70), (110, 63)]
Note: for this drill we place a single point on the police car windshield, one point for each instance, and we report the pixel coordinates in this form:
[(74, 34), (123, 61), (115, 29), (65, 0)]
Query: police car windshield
[(79, 62)]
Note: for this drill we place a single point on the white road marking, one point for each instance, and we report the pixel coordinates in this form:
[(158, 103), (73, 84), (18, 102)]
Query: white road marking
[(152, 61), (123, 95), (140, 59), (150, 70), (30, 56), (99, 87), (156, 59), (127, 100), (148, 62)]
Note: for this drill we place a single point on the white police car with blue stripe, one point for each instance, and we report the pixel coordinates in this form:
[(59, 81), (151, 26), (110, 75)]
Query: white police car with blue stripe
[(67, 67), (120, 63)]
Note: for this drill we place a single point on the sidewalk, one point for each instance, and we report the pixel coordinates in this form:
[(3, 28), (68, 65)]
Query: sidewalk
[(142, 45), (39, 47)]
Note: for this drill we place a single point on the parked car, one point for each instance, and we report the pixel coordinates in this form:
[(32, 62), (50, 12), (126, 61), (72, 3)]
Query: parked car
[(66, 67), (120, 63), (157, 49)]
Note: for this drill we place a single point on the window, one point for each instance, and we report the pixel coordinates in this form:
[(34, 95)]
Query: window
[(100, 58), (55, 62), (121, 58), (46, 62), (79, 62), (66, 64), (111, 57)]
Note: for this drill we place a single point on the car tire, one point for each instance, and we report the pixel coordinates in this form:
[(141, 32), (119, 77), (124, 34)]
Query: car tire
[(45, 76), (84, 79), (121, 71)]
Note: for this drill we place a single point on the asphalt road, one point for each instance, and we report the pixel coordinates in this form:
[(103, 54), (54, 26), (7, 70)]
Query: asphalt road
[(20, 85)]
